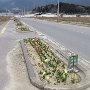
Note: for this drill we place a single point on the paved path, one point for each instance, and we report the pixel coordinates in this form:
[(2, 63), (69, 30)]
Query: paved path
[(8, 40)]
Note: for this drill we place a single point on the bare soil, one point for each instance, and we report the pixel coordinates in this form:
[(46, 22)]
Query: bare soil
[(19, 79), (82, 20)]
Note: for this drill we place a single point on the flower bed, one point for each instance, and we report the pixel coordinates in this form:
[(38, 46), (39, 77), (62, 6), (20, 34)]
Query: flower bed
[(17, 21), (20, 26), (50, 68), (23, 28)]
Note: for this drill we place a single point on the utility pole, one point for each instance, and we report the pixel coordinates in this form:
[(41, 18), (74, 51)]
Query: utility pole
[(23, 11), (58, 12)]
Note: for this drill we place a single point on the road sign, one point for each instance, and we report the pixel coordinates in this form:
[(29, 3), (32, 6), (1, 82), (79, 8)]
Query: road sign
[(72, 61)]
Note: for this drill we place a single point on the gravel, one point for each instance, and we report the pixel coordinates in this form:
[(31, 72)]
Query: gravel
[(18, 71)]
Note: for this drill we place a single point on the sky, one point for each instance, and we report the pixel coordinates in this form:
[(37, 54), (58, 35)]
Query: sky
[(71, 1), (4, 0), (32, 3)]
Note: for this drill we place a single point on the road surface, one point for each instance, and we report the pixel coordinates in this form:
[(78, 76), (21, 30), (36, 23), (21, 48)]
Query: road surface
[(73, 37), (8, 40)]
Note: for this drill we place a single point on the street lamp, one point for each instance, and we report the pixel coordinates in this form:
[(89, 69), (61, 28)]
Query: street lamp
[(58, 12)]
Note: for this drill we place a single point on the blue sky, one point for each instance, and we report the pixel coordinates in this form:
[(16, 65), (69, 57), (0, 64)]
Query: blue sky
[(84, 2), (31, 3)]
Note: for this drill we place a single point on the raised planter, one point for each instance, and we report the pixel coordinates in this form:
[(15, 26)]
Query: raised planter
[(20, 27), (42, 79)]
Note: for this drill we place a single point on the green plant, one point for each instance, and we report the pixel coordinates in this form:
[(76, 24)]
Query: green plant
[(49, 64)]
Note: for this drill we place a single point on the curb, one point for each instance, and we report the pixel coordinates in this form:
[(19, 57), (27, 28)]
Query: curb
[(34, 78)]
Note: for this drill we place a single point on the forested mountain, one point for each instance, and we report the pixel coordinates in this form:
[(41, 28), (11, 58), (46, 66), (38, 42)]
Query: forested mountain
[(64, 8)]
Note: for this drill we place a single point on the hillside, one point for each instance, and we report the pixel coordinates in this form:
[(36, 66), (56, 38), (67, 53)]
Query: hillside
[(64, 8)]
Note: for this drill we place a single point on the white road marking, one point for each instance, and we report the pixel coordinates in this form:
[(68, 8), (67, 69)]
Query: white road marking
[(3, 30)]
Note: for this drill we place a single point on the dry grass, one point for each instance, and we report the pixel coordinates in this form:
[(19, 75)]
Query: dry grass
[(83, 20), (4, 18)]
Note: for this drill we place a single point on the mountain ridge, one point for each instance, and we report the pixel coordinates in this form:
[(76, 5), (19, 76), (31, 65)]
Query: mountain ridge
[(64, 8)]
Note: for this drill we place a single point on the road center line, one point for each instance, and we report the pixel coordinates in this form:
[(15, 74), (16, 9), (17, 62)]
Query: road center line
[(3, 30)]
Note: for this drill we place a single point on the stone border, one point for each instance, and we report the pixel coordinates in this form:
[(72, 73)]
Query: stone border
[(83, 67), (34, 78), (24, 25), (83, 70)]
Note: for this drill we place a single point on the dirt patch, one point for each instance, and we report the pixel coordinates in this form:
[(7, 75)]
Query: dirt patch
[(18, 71)]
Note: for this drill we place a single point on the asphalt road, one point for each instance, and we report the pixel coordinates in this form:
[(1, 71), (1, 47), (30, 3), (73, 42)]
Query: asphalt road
[(8, 40), (73, 37)]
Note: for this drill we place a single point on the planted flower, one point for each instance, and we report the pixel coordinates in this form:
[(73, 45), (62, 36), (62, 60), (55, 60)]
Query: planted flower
[(21, 26), (47, 60), (51, 69)]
